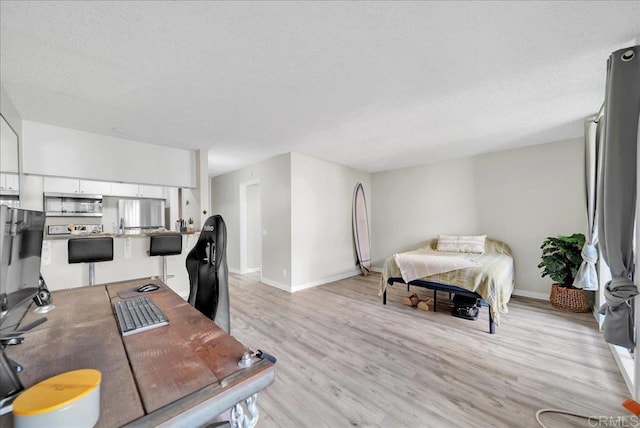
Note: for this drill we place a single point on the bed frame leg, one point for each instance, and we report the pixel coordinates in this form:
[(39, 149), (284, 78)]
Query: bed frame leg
[(492, 326), (384, 297), (435, 300)]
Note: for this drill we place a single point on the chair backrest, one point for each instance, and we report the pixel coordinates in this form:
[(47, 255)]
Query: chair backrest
[(90, 250), (165, 244), (208, 273)]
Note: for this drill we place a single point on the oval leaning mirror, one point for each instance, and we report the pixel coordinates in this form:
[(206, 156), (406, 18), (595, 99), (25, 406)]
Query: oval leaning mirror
[(9, 165)]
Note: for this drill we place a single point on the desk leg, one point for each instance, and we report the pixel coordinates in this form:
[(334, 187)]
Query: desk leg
[(241, 420), (237, 416)]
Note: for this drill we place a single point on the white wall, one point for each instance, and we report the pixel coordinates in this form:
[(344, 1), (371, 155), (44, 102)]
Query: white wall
[(275, 201), (8, 149), (528, 194), (196, 201), (412, 205), (203, 183), (322, 248), (191, 207), (8, 110), (254, 228), (306, 208), (11, 115), (518, 196), (56, 151), (171, 208), (30, 186)]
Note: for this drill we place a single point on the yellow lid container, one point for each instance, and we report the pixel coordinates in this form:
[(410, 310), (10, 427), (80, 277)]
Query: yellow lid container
[(68, 399)]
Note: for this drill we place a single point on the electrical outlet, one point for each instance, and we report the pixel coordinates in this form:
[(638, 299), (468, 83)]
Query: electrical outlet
[(284, 273), (264, 232)]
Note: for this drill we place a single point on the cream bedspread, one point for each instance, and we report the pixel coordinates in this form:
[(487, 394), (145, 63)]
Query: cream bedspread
[(493, 278)]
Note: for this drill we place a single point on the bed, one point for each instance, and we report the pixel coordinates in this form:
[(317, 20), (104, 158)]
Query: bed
[(489, 275)]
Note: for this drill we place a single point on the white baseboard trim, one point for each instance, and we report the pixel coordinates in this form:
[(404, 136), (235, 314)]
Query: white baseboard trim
[(275, 284), (599, 318), (531, 294), (325, 280), (237, 271), (376, 269), (625, 364)]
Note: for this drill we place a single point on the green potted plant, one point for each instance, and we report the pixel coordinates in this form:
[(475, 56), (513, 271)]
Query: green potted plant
[(561, 258)]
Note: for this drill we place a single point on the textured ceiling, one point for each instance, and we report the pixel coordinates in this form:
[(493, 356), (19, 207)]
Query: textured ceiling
[(371, 85)]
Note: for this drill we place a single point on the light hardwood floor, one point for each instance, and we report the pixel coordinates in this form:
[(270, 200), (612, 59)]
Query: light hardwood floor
[(345, 360)]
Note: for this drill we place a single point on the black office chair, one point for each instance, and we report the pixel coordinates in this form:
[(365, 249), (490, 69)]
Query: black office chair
[(208, 273), (90, 250), (165, 245)]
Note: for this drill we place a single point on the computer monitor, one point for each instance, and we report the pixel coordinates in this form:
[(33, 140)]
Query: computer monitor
[(20, 255)]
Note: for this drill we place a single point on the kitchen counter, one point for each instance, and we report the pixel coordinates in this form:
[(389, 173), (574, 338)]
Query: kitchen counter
[(130, 260), (126, 235)]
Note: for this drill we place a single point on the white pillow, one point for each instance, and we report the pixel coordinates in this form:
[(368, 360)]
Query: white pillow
[(461, 244)]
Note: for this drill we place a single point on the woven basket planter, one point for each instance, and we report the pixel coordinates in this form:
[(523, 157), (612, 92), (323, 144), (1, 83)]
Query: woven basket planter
[(569, 299)]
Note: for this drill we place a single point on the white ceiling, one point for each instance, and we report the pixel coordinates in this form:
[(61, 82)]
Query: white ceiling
[(372, 85)]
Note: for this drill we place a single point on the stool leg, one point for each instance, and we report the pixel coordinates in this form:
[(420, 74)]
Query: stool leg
[(164, 269), (92, 274)]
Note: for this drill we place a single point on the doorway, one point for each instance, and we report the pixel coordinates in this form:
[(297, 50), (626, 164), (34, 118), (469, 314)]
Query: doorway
[(250, 227)]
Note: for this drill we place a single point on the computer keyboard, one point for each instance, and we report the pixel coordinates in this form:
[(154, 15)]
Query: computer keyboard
[(138, 314)]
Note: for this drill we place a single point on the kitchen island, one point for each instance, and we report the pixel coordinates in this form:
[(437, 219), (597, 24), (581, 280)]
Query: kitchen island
[(130, 260)]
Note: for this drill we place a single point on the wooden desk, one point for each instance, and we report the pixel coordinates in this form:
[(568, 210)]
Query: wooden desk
[(182, 374)]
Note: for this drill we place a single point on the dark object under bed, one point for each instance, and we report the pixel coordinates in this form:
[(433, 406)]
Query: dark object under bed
[(440, 287)]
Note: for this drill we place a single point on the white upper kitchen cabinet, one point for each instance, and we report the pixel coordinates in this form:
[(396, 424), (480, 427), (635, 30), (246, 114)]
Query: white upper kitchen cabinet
[(124, 189), (73, 185), (151, 192), (104, 188), (95, 187), (137, 191), (9, 182), (61, 185)]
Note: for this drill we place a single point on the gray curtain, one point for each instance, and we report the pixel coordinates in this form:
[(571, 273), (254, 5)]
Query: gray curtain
[(617, 201), (587, 276)]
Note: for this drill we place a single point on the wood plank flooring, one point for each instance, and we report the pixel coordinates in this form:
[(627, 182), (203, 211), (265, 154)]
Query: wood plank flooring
[(346, 360)]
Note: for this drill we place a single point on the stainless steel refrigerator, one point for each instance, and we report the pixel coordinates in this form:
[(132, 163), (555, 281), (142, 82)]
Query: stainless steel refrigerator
[(140, 215)]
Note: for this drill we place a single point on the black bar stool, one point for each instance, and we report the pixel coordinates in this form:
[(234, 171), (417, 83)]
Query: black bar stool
[(90, 250), (166, 244)]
